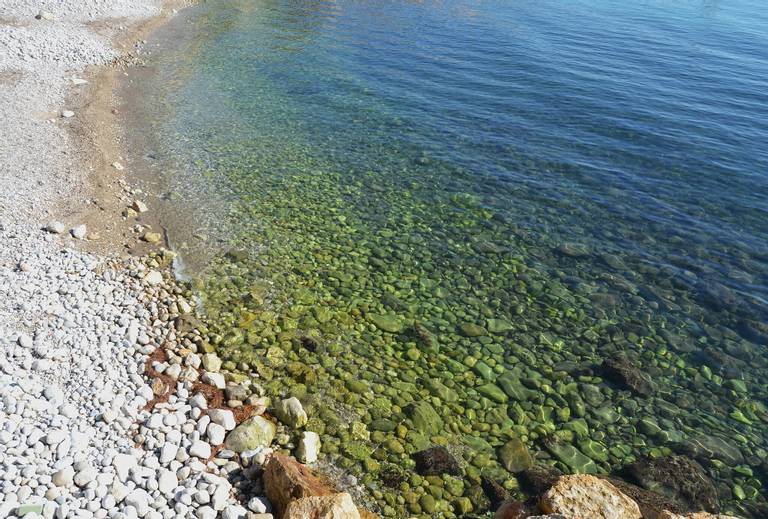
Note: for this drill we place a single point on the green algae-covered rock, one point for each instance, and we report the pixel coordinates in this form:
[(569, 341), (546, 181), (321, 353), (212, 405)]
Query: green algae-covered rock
[(252, 433), (572, 457), (425, 418), (472, 330), (499, 325), (386, 322), (493, 392), (291, 413), (441, 391)]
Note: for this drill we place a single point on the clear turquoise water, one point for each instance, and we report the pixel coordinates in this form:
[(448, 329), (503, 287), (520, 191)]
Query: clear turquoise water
[(576, 179)]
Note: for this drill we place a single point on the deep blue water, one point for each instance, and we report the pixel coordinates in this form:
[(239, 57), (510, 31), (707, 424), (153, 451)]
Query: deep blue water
[(593, 172)]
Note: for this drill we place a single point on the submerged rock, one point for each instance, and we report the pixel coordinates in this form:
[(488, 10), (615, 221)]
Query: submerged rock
[(436, 461), (386, 322), (678, 478), (705, 447), (588, 496), (472, 330), (695, 515), (619, 370), (514, 456), (425, 418)]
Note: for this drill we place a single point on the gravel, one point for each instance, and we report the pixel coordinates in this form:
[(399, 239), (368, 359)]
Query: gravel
[(81, 434)]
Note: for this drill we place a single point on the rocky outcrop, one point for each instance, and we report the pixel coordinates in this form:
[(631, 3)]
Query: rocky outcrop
[(582, 496), (680, 479)]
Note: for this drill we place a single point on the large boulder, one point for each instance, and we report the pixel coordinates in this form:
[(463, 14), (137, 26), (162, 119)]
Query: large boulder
[(588, 496), (678, 478), (251, 434), (285, 480), (334, 506)]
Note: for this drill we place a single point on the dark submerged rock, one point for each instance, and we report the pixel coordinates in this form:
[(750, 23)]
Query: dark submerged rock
[(495, 492), (537, 480), (680, 479), (619, 370), (436, 461), (651, 503)]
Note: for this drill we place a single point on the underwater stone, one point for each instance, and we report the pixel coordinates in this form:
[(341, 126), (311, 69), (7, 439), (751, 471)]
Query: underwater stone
[(678, 478), (705, 447), (425, 418), (514, 456), (386, 322), (472, 330), (623, 373), (440, 390), (572, 457), (493, 392), (436, 461), (499, 325)]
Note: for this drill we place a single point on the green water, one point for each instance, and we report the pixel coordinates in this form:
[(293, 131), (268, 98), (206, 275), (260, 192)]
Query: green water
[(426, 258)]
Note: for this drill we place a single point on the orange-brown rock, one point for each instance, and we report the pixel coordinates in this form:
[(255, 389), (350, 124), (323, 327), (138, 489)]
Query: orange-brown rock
[(582, 496), (287, 481), (334, 506)]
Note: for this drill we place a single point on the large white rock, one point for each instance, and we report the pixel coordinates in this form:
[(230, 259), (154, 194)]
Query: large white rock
[(85, 476), (214, 379), (80, 231), (123, 464)]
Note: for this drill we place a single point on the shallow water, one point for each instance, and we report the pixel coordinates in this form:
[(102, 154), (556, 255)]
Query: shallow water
[(467, 207)]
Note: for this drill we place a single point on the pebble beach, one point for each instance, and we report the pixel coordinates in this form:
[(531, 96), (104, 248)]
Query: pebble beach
[(83, 431)]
